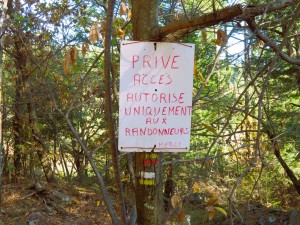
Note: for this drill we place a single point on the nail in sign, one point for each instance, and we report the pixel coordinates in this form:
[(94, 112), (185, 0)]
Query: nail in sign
[(155, 108)]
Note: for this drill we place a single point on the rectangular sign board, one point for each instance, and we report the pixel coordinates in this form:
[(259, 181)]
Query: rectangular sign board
[(155, 108)]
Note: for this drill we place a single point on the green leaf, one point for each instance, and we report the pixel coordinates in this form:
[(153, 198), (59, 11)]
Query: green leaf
[(210, 128), (221, 210)]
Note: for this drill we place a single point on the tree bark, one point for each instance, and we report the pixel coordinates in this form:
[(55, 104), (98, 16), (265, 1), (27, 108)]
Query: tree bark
[(233, 13), (35, 137), (149, 196), (109, 112), (1, 127), (145, 20), (206, 20), (2, 17), (169, 187), (17, 126)]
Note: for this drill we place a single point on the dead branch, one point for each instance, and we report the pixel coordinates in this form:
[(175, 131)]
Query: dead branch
[(254, 28), (206, 20), (232, 13), (257, 10)]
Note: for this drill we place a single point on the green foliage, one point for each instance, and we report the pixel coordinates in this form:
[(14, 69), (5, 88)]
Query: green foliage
[(240, 102)]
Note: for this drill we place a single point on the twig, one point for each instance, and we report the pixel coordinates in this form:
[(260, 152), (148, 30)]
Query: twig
[(101, 183), (239, 180), (210, 73), (110, 163), (184, 10), (270, 43), (256, 181), (27, 196)]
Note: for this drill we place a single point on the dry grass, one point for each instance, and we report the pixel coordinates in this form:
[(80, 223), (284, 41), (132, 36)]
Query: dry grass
[(20, 205)]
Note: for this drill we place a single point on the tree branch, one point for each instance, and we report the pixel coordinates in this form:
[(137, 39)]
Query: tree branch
[(206, 20), (284, 165), (268, 41), (105, 195), (251, 11), (236, 12)]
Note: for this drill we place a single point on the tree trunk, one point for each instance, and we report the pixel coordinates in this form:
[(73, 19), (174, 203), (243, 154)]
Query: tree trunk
[(149, 195), (78, 157), (107, 200), (5, 11), (169, 187), (286, 168), (1, 118), (145, 19), (35, 136), (109, 112), (20, 120), (2, 17), (17, 126)]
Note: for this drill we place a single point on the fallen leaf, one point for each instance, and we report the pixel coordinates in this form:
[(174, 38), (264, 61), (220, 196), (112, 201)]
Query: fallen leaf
[(181, 216), (76, 200), (212, 201), (176, 201), (196, 188), (211, 214)]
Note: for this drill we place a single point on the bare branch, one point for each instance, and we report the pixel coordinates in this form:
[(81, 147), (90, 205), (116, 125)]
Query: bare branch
[(232, 13), (268, 41), (257, 10), (184, 10), (206, 20)]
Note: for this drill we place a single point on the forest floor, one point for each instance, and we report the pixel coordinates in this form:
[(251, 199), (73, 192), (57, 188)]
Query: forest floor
[(75, 203), (52, 204)]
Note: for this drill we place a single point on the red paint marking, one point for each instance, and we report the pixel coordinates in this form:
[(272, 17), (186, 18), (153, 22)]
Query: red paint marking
[(148, 162)]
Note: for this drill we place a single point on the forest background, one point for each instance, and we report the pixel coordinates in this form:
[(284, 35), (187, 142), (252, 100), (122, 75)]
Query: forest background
[(59, 80)]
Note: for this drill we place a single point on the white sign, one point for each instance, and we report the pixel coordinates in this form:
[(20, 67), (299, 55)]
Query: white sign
[(156, 81)]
